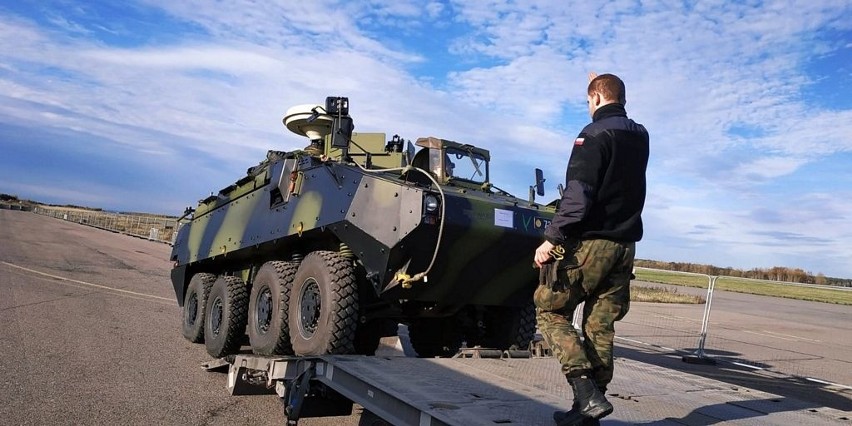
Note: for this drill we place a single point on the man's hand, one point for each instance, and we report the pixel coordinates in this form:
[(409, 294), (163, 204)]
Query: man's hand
[(542, 253), (592, 76)]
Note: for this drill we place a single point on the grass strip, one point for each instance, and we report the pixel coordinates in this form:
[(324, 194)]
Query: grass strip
[(640, 293), (749, 286)]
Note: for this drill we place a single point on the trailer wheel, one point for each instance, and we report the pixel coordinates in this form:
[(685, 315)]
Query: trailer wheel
[(323, 305), (194, 305), (269, 304), (510, 327), (435, 337), (225, 322)]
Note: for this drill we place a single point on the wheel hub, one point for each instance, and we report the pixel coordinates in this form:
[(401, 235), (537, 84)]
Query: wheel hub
[(263, 314), (310, 304), (192, 309), (216, 316)]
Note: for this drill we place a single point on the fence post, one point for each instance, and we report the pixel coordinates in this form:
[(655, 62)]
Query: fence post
[(699, 356)]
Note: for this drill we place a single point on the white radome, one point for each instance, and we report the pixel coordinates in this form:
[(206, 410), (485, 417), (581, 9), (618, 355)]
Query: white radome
[(297, 120)]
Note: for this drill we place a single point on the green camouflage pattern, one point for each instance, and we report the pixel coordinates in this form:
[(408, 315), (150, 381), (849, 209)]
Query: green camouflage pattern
[(292, 204), (596, 272)]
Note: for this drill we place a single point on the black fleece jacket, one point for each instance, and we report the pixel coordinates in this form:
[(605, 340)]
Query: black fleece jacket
[(605, 181)]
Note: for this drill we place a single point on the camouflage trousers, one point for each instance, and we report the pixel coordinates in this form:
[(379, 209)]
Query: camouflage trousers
[(598, 273)]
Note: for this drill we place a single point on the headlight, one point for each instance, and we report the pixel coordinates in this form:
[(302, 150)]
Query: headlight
[(431, 203)]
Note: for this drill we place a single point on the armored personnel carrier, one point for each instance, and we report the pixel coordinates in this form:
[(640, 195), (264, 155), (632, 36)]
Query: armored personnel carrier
[(325, 250)]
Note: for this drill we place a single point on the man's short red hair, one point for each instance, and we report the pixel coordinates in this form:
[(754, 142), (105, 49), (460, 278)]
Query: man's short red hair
[(610, 87)]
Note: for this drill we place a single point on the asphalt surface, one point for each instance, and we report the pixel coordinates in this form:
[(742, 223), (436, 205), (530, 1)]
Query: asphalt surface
[(793, 337), (89, 334)]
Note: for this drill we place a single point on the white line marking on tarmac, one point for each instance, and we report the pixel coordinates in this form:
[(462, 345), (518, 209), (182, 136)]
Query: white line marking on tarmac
[(85, 283), (746, 365), (767, 335), (791, 335), (645, 343), (828, 383), (634, 341), (781, 336)]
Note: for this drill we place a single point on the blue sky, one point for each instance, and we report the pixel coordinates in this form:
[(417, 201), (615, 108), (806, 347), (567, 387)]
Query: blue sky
[(151, 105)]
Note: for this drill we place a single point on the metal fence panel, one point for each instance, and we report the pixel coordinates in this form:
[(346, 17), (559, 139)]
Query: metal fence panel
[(142, 226)]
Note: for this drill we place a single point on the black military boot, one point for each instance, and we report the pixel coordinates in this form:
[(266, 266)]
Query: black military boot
[(589, 404), (573, 417), (559, 416)]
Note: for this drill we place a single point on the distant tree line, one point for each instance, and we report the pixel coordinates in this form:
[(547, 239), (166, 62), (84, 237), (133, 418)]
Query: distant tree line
[(14, 198), (775, 273), (9, 199)]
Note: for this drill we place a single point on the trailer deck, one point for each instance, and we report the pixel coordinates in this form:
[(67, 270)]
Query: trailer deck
[(482, 391)]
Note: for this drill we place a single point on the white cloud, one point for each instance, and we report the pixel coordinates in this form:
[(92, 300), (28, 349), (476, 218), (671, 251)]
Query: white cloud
[(719, 85), (765, 168), (71, 27), (529, 88), (229, 60), (434, 9)]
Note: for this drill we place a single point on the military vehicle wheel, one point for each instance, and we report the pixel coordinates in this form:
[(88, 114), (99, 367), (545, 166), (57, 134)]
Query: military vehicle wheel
[(323, 305), (269, 303), (225, 321), (510, 327), (435, 337), (194, 304)]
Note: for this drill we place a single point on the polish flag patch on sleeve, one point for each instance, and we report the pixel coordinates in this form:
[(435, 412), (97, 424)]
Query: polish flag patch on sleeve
[(579, 141)]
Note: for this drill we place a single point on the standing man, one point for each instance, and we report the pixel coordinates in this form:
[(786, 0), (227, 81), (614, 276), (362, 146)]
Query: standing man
[(589, 248)]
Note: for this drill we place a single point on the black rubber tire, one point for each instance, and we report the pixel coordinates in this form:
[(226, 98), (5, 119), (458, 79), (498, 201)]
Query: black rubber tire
[(510, 327), (225, 320), (435, 337), (527, 326), (194, 306), (269, 305), (328, 278)]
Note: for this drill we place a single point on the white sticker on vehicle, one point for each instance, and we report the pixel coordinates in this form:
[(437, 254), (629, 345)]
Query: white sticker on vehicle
[(504, 218)]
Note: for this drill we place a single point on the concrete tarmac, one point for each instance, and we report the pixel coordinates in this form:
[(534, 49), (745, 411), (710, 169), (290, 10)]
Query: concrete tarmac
[(794, 347), (89, 334), (796, 337)]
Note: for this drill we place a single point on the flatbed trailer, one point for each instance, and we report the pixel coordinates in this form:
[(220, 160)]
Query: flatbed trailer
[(496, 391), (400, 390)]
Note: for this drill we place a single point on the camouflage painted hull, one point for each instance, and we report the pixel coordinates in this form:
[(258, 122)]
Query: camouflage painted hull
[(293, 205)]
